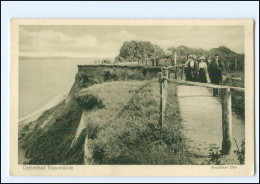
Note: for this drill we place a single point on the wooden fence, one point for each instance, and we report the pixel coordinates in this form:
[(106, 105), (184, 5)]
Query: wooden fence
[(226, 103)]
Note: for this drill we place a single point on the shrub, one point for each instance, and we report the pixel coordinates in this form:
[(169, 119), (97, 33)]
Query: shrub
[(241, 153), (89, 101)]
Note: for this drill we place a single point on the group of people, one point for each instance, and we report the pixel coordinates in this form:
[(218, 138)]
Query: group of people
[(204, 70)]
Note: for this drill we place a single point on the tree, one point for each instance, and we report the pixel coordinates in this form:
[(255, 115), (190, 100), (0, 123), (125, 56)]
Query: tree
[(140, 50), (230, 59)]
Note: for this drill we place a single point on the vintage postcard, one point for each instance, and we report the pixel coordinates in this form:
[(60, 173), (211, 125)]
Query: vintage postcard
[(132, 97)]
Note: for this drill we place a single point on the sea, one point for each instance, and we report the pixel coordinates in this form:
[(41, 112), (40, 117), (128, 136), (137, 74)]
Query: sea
[(42, 79)]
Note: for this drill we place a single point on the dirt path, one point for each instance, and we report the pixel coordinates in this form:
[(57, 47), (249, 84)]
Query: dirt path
[(202, 118)]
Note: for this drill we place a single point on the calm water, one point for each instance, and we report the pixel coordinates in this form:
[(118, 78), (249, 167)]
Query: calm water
[(41, 79)]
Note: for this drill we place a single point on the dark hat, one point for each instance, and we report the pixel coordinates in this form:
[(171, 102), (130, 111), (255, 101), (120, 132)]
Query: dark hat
[(216, 55)]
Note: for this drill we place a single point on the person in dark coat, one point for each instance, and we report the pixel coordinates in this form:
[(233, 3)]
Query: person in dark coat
[(216, 73)]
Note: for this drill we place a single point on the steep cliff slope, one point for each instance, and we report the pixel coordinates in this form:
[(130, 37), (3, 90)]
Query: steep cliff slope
[(111, 123)]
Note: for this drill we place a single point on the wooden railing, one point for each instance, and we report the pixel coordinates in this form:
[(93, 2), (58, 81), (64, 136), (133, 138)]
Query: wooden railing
[(226, 104)]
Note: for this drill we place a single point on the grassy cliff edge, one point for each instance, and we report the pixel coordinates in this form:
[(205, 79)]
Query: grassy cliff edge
[(119, 125)]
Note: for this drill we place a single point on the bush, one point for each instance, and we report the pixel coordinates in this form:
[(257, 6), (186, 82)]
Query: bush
[(89, 101), (241, 153)]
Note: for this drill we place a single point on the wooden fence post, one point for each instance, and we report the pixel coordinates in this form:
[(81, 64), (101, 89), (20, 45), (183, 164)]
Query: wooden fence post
[(236, 64), (172, 61), (163, 93), (161, 100), (226, 121), (175, 64)]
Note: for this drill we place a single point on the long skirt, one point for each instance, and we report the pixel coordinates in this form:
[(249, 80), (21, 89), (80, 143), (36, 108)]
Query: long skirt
[(190, 74), (202, 76)]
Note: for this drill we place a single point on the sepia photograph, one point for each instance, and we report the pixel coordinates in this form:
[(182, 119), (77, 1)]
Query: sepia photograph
[(129, 92)]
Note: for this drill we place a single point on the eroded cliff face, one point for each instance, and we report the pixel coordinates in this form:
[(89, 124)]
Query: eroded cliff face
[(89, 75), (58, 135)]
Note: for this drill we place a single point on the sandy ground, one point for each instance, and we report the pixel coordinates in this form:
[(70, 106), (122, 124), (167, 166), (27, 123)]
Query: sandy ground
[(202, 119)]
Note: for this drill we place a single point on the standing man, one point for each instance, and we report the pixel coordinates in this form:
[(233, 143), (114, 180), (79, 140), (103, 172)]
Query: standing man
[(216, 74)]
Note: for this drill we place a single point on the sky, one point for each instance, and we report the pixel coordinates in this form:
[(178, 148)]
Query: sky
[(105, 41)]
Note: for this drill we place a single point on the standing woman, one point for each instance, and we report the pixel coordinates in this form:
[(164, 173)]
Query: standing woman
[(203, 70), (189, 68)]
